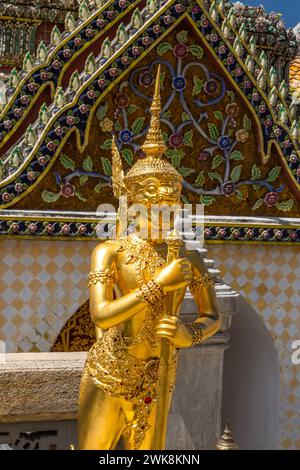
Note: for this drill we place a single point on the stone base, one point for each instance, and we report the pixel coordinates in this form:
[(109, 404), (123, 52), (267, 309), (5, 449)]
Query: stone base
[(39, 386), (195, 418)]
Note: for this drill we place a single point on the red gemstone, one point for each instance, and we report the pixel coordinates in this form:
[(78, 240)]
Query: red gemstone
[(148, 400)]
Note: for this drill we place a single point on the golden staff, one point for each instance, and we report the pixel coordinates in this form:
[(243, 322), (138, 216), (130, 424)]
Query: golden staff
[(119, 190), (167, 351)]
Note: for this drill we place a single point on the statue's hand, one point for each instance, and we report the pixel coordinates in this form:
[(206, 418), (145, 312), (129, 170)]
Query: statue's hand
[(172, 328), (176, 275)]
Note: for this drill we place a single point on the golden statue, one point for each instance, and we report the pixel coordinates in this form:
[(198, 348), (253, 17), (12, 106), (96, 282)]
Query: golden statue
[(136, 289)]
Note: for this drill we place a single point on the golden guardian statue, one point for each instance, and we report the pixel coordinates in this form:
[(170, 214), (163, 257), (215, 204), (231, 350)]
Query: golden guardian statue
[(137, 286)]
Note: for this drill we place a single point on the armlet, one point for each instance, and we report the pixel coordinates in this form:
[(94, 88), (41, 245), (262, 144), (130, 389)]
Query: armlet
[(107, 276)]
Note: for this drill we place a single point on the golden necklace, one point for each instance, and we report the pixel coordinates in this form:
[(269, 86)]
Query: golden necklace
[(147, 261)]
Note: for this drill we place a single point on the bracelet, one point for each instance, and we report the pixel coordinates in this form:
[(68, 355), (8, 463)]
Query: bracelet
[(152, 294), (104, 277), (196, 330), (202, 281)]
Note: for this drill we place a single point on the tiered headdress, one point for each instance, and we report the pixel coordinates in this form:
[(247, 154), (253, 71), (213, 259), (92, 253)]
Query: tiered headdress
[(154, 148)]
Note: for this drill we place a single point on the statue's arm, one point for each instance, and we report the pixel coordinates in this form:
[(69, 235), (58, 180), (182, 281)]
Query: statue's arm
[(203, 291), (184, 335), (105, 311)]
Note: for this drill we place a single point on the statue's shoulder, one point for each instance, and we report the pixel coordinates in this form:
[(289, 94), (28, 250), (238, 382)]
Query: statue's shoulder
[(112, 247), (105, 252)]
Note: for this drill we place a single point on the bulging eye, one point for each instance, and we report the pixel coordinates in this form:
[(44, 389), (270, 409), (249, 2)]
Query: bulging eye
[(151, 188)]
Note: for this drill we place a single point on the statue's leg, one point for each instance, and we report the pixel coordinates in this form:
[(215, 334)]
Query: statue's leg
[(101, 419), (147, 443)]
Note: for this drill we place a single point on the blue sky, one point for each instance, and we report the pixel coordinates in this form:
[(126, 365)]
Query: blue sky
[(289, 8)]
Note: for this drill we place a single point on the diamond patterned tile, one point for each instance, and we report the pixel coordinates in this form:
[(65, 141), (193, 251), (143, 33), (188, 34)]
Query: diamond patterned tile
[(272, 288), (43, 284)]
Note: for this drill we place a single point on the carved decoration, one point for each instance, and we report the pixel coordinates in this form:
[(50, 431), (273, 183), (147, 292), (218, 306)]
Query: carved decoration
[(239, 156), (211, 135), (78, 334)]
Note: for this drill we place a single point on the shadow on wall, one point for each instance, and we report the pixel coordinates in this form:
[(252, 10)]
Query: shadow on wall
[(251, 382)]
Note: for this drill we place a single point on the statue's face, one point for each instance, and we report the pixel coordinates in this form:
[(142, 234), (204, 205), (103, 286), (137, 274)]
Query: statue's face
[(154, 193)]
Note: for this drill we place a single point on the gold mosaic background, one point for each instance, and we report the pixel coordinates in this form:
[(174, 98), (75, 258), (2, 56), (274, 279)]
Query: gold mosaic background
[(223, 205), (44, 283)]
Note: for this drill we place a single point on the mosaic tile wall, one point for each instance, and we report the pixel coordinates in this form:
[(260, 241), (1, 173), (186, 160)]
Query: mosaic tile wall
[(44, 283), (269, 279)]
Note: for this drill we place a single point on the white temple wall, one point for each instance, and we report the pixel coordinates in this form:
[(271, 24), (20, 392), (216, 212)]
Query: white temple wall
[(268, 277), (43, 284), (251, 388)]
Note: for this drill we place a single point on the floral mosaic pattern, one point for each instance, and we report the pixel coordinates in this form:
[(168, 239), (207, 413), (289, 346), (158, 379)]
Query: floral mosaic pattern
[(66, 228), (223, 137), (268, 197)]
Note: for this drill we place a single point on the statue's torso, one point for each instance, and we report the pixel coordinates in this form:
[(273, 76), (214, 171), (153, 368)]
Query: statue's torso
[(136, 262), (124, 361)]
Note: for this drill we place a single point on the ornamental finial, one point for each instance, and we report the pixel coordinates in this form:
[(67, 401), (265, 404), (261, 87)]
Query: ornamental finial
[(154, 165), (226, 441), (154, 145)]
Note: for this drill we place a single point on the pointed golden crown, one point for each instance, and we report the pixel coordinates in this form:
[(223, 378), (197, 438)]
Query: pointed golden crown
[(154, 148), (154, 145)]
